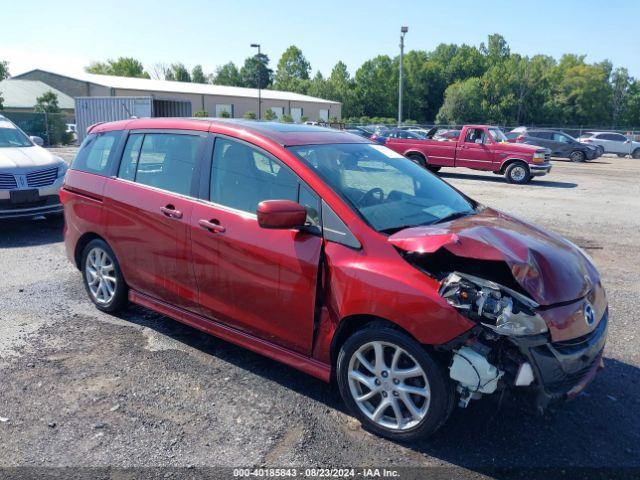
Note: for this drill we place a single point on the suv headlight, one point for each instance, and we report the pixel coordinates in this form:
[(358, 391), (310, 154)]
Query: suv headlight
[(495, 306)]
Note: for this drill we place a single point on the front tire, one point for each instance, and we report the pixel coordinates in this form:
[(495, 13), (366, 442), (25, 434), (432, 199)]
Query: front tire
[(417, 159), (518, 173), (392, 385), (636, 153), (102, 277), (577, 156)]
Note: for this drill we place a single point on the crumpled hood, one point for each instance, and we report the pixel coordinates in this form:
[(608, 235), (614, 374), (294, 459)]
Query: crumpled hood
[(25, 158), (549, 268)]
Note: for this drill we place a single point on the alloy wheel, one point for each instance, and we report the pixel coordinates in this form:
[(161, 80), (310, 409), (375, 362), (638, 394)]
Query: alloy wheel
[(100, 275), (389, 385)]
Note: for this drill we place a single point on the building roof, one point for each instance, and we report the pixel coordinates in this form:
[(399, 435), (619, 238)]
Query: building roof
[(23, 94), (145, 84)]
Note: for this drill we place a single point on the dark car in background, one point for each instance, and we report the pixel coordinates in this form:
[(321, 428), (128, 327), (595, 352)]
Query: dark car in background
[(560, 144)]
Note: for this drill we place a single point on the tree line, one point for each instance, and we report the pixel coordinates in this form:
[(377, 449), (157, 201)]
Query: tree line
[(452, 84)]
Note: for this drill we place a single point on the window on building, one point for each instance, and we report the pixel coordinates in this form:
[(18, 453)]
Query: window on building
[(279, 111), (224, 107), (296, 114), (323, 114)]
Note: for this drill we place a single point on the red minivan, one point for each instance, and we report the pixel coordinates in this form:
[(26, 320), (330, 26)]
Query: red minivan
[(337, 256)]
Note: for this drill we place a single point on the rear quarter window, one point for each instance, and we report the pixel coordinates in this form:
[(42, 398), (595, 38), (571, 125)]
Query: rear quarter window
[(97, 153)]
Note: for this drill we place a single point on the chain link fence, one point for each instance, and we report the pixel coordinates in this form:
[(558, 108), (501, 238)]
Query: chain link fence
[(53, 128)]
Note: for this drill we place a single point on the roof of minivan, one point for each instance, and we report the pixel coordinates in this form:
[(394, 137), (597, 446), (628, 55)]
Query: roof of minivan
[(285, 134)]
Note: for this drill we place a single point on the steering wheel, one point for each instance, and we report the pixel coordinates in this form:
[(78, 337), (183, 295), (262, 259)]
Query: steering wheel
[(371, 195)]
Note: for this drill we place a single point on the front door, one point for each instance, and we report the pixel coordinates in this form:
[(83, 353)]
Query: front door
[(475, 151), (148, 209), (257, 280)]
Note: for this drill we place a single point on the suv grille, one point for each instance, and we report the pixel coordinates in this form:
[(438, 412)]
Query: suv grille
[(42, 178), (547, 157), (7, 181)]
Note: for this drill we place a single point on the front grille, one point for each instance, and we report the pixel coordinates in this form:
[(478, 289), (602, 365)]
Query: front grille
[(42, 202), (42, 178), (547, 157), (569, 380), (7, 181)]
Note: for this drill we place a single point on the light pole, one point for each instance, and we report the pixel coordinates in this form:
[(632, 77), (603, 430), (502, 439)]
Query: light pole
[(403, 31), (257, 45)]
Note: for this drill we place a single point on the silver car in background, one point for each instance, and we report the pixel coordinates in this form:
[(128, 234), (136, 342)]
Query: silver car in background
[(30, 176), (611, 142)]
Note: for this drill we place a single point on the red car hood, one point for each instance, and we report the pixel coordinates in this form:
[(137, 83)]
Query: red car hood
[(549, 268)]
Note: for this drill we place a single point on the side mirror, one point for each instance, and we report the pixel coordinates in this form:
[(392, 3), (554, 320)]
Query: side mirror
[(281, 214), (37, 140)]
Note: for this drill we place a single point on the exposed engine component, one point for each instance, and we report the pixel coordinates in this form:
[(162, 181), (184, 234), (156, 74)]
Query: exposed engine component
[(474, 374), (495, 306)]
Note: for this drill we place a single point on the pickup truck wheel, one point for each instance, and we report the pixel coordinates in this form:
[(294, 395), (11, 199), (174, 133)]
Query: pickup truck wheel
[(417, 159), (636, 153), (518, 173), (577, 156), (392, 385), (433, 168)]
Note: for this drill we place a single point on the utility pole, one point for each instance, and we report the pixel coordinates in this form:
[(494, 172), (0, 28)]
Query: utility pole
[(257, 45), (403, 31)]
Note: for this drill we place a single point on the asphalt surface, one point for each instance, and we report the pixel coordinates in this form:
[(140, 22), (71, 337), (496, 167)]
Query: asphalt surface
[(82, 388)]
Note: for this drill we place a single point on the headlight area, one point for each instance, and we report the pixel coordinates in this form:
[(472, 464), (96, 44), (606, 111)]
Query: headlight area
[(491, 359)]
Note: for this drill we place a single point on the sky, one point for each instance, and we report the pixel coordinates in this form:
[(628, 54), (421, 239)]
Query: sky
[(65, 36)]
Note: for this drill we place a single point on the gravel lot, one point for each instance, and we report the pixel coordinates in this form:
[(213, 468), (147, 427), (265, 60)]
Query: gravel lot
[(81, 388)]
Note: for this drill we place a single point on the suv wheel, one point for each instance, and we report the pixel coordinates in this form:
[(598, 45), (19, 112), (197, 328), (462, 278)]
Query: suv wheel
[(636, 153), (577, 156), (518, 173), (392, 385), (102, 277)]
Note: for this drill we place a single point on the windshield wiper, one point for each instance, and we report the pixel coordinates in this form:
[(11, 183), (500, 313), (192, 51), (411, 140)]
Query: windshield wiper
[(453, 216)]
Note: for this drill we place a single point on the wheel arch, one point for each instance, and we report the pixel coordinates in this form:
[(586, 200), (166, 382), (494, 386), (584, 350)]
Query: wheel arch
[(82, 242), (417, 153), (351, 324), (511, 160)]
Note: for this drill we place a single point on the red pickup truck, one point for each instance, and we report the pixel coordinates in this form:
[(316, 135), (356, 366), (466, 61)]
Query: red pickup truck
[(479, 147)]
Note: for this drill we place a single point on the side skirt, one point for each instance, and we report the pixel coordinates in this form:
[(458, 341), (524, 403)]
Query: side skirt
[(293, 359)]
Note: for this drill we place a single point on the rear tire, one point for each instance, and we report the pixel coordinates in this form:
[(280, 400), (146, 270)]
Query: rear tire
[(102, 277), (577, 156), (417, 159), (636, 153), (518, 173), (400, 405), (621, 155)]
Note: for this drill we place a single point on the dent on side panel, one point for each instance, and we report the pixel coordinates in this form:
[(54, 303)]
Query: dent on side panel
[(383, 287)]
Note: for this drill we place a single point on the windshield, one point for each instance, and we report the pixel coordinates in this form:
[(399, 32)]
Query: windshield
[(497, 135), (10, 136), (389, 191)]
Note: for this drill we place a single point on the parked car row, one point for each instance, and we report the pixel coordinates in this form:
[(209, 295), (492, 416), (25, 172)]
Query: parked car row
[(559, 143), (610, 142)]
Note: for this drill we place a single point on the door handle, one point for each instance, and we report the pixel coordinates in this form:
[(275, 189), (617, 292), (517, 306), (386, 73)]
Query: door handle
[(212, 225), (170, 211)]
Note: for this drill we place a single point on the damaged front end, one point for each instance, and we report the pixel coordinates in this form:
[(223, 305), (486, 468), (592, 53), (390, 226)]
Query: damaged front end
[(540, 324)]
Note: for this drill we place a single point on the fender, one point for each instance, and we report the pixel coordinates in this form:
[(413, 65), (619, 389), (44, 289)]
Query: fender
[(505, 163)]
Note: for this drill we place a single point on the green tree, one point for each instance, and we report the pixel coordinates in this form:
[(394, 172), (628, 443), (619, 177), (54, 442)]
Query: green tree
[(1, 101), (292, 72), (122, 67), (463, 103), (47, 103), (376, 86), (224, 114), (496, 49), (197, 75), (256, 71), (4, 70), (269, 114), (620, 85), (249, 115), (228, 74), (286, 118), (178, 72), (200, 113)]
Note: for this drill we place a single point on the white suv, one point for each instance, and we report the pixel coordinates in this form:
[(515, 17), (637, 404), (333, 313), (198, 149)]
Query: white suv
[(611, 142), (30, 176)]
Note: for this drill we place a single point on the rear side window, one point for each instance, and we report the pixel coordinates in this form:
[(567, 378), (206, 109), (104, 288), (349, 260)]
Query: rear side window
[(162, 160), (97, 153)]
